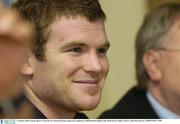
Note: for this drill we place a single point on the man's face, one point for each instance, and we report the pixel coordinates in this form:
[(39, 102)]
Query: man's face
[(76, 65), (15, 38), (169, 65), (13, 56)]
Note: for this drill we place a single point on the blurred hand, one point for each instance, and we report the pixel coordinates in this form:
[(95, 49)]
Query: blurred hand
[(16, 35)]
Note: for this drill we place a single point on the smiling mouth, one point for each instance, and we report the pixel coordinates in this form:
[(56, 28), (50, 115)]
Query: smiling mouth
[(86, 81)]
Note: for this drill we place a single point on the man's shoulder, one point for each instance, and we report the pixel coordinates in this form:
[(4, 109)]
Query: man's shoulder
[(134, 104)]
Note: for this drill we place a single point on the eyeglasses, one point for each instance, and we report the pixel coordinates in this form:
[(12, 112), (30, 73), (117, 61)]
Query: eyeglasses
[(168, 49)]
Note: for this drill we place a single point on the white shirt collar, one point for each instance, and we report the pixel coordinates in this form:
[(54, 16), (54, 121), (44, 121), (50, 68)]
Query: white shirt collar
[(160, 110)]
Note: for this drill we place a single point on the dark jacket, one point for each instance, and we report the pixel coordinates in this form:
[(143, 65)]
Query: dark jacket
[(134, 105), (78, 115)]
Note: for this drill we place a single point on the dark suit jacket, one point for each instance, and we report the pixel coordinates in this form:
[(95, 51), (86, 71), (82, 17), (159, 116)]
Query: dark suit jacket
[(40, 115), (134, 105)]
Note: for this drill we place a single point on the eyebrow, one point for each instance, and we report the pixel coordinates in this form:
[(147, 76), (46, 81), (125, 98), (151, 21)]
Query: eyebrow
[(74, 43), (77, 43), (106, 44)]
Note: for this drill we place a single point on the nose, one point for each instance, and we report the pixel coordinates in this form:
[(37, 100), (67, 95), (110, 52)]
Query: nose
[(93, 63)]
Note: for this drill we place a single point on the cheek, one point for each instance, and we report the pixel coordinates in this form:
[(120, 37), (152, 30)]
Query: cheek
[(11, 65), (171, 69), (105, 65), (172, 64), (12, 61), (71, 67), (16, 59)]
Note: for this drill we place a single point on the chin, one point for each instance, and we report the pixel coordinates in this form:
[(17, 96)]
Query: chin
[(89, 104)]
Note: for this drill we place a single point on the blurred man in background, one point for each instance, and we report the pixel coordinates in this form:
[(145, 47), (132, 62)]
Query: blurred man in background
[(16, 36), (157, 69)]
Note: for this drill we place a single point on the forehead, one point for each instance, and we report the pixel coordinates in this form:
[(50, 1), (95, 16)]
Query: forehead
[(65, 24), (79, 28), (173, 35)]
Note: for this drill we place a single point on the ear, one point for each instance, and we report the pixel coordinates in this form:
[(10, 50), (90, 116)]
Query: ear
[(151, 64), (27, 68)]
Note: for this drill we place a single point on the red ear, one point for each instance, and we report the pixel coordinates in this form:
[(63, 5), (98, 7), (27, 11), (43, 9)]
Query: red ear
[(151, 64)]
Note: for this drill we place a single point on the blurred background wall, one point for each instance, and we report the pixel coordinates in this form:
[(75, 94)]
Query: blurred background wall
[(7, 2)]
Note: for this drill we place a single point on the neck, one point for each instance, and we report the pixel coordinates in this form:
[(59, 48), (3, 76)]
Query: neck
[(49, 110), (170, 102)]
